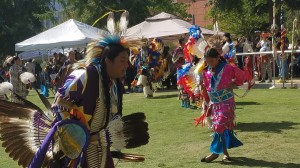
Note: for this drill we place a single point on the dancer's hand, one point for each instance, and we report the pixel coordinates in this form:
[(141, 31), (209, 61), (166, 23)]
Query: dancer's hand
[(231, 86)]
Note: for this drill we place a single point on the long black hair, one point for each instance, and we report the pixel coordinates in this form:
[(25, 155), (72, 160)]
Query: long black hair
[(228, 36), (111, 52), (15, 58)]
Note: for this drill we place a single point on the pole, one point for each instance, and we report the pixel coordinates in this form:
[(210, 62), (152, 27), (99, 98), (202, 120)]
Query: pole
[(282, 46), (293, 50), (273, 30)]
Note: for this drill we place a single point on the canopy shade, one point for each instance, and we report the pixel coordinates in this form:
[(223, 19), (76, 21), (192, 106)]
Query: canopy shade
[(161, 25), (68, 34)]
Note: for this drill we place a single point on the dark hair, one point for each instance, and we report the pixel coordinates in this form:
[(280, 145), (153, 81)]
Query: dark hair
[(30, 60), (181, 41), (111, 52), (15, 58), (166, 51), (211, 53), (228, 36)]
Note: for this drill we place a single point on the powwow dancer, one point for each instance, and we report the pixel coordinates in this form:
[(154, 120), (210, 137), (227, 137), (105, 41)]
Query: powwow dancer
[(87, 114), (219, 78)]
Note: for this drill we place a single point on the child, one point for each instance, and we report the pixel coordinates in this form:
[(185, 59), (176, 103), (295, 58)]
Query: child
[(219, 77)]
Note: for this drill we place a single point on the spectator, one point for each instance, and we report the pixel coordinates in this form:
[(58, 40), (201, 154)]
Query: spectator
[(30, 66), (265, 59), (18, 87), (65, 70), (295, 61), (281, 59), (2, 75), (78, 55), (38, 72), (239, 49), (178, 56)]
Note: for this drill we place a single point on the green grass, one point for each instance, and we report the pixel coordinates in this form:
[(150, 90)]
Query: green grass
[(268, 123)]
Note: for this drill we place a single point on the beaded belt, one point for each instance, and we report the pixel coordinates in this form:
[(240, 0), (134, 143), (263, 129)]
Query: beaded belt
[(219, 96)]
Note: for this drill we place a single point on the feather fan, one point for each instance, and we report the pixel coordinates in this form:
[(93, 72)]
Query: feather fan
[(130, 131), (27, 77), (22, 130)]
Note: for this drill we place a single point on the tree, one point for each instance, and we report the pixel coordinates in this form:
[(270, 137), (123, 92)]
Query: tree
[(88, 11), (19, 19), (243, 17)]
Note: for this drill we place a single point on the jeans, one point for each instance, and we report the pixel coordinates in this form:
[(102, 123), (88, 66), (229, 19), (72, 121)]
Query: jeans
[(282, 67)]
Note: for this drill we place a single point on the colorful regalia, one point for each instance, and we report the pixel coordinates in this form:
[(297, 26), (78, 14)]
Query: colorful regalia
[(212, 85), (86, 121), (216, 82), (229, 52)]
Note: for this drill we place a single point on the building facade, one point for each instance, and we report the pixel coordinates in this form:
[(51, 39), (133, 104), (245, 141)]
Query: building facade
[(199, 11)]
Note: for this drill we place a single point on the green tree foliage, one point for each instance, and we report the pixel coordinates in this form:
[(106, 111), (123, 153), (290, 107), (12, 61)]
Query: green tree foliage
[(88, 11), (19, 19), (243, 17)]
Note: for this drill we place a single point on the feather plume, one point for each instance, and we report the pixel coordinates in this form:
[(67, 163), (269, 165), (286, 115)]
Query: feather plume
[(27, 77), (124, 20), (5, 88), (111, 23)]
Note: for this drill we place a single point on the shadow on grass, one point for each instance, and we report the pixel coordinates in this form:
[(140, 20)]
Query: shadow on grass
[(164, 96), (247, 103), (274, 127), (249, 162)]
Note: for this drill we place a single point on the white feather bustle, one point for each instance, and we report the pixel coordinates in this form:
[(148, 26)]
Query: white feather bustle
[(142, 80), (27, 77), (5, 88), (115, 129), (147, 91)]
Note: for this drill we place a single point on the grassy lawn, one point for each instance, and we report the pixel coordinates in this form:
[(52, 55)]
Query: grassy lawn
[(268, 123)]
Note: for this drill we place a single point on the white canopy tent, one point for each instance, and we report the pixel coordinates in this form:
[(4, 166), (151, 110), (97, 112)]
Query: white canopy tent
[(43, 53), (161, 25), (68, 34)]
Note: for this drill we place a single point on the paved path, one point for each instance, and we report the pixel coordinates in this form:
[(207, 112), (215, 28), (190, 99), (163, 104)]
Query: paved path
[(296, 83)]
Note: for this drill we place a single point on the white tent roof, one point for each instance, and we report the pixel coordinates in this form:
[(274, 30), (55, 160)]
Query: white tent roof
[(161, 25), (68, 34)]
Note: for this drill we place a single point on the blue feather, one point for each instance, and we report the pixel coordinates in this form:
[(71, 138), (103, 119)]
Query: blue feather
[(111, 39)]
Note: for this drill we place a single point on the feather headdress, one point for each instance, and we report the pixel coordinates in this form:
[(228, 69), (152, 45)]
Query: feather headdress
[(215, 41), (114, 35)]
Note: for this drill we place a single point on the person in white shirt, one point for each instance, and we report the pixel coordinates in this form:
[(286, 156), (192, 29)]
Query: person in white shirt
[(265, 59)]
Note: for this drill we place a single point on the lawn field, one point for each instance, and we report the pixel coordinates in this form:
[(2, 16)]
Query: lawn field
[(268, 123)]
